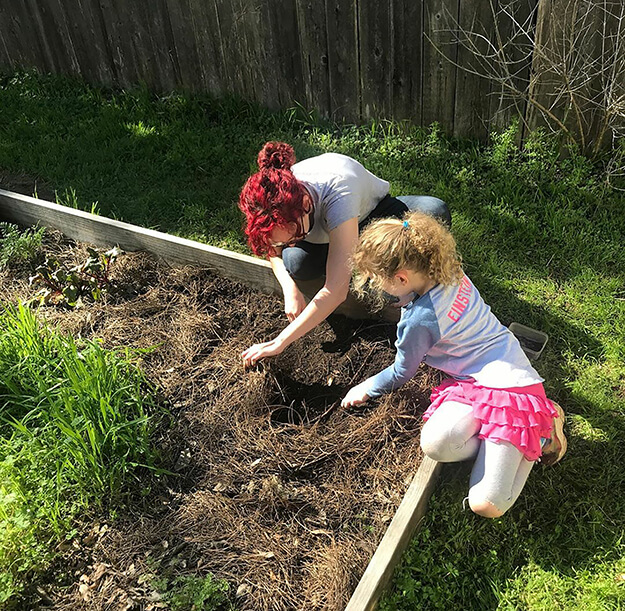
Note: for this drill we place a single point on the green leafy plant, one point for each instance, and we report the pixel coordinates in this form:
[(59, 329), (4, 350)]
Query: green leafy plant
[(68, 286), (75, 425), (198, 593), (18, 246)]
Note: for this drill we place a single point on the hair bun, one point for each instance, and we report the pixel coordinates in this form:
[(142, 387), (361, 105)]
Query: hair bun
[(276, 155)]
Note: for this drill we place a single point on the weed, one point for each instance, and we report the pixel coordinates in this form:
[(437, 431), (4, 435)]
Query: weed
[(18, 246), (199, 593), (68, 286)]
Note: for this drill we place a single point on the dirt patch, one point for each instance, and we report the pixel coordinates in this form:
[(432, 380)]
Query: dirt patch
[(26, 184), (276, 488)]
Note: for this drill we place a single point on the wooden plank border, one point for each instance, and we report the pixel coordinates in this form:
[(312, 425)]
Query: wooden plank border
[(401, 529), (101, 231)]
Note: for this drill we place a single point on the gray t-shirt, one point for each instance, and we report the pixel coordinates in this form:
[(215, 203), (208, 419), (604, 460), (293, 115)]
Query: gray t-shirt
[(341, 189)]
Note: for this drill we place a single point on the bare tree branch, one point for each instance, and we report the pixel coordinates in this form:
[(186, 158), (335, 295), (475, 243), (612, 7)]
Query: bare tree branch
[(569, 67)]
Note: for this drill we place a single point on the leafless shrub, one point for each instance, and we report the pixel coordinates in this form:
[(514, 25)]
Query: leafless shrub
[(560, 64)]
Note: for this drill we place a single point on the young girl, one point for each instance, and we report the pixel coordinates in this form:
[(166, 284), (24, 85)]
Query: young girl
[(493, 407)]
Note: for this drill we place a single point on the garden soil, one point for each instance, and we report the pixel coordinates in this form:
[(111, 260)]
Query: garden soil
[(271, 485)]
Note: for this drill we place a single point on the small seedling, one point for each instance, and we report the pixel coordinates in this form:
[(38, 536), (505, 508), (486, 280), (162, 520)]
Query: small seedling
[(63, 286)]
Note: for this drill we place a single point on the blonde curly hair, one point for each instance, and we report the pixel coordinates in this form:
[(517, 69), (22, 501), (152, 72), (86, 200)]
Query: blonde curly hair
[(418, 243)]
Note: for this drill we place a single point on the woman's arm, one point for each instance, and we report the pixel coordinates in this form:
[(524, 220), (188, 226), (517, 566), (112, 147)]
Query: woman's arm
[(338, 274), (294, 301)]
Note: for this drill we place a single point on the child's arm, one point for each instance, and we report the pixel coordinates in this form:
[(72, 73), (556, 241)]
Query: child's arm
[(416, 334)]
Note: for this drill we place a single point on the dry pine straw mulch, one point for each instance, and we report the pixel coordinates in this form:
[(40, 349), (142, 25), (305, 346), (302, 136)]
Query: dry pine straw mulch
[(277, 489)]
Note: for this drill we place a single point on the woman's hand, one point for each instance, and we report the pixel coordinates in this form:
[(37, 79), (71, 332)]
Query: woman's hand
[(294, 303), (254, 353), (355, 396)]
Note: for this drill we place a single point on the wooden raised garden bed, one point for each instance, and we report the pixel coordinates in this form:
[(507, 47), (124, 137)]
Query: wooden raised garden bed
[(298, 503)]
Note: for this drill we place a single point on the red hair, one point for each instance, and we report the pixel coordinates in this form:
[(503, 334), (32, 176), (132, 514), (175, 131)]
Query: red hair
[(272, 197)]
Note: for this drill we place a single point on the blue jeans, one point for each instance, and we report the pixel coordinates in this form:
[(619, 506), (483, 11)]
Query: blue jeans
[(307, 261)]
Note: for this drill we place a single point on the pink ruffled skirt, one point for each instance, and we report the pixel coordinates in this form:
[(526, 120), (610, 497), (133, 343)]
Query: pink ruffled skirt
[(520, 416)]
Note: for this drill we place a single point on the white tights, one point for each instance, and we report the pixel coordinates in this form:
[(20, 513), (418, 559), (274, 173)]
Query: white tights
[(500, 470)]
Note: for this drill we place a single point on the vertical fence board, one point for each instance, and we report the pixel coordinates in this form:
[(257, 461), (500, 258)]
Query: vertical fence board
[(8, 53), (90, 42), (565, 67), (262, 73), (407, 59), (232, 15), (439, 74), (5, 57), (184, 39), (280, 23), (543, 83), (314, 55), (343, 61), (208, 42), (510, 41), (609, 84), (376, 57), (120, 43), (163, 58), (28, 39), (136, 32), (472, 104), (57, 33)]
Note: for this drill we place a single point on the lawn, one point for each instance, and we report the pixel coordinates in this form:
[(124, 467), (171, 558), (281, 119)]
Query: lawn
[(541, 235)]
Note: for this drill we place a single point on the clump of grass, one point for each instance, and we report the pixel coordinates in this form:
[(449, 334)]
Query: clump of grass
[(74, 428), (200, 593), (18, 246)]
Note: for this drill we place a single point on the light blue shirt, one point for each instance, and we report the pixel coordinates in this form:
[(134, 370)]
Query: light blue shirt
[(452, 329)]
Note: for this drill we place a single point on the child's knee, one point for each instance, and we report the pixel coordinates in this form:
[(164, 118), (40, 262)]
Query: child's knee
[(447, 445), (485, 508), (488, 504), (434, 444)]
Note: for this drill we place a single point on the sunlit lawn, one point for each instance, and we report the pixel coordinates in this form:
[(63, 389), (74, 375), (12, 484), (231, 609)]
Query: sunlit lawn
[(542, 238)]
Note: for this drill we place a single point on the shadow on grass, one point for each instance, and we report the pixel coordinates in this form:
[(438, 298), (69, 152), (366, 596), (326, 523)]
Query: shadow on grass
[(175, 163)]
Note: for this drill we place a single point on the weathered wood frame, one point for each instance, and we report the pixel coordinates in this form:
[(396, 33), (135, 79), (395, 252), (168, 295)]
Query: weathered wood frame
[(101, 231)]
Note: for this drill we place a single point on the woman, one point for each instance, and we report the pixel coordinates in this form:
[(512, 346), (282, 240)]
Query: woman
[(306, 218)]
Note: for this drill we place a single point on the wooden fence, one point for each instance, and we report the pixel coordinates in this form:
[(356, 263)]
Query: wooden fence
[(348, 59)]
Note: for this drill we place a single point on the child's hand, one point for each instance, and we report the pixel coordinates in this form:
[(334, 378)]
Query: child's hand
[(254, 353), (355, 396)]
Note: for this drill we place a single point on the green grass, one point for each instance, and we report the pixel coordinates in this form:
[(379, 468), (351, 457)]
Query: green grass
[(74, 428), (541, 236), (18, 246)]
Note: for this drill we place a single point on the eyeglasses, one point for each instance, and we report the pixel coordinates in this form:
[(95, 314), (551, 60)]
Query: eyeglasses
[(300, 235)]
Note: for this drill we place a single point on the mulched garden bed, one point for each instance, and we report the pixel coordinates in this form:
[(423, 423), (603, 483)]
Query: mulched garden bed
[(274, 487)]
